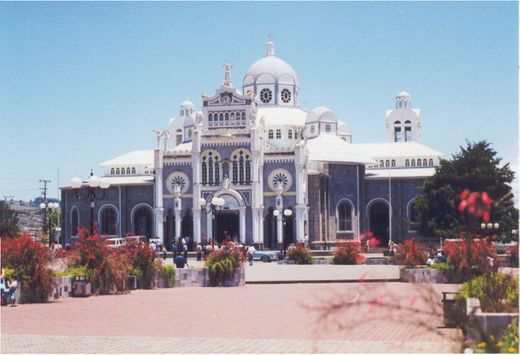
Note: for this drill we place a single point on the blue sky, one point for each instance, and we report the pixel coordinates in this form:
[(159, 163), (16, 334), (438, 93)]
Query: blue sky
[(81, 83)]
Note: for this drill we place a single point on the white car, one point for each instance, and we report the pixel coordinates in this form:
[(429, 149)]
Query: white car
[(115, 242)]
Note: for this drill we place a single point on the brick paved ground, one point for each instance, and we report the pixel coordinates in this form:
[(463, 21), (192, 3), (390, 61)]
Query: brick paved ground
[(249, 319)]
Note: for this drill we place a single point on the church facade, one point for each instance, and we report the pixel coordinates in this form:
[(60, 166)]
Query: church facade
[(253, 163)]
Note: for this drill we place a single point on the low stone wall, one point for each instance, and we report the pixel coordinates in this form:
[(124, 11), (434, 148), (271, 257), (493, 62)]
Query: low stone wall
[(480, 323), (377, 260), (421, 275), (63, 287), (191, 277)]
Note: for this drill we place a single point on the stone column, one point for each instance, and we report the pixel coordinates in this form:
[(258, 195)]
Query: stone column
[(279, 228), (178, 209), (196, 226), (242, 224)]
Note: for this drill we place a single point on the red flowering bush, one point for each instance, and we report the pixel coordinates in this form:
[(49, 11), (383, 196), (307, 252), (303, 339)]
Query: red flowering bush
[(348, 253), (470, 256), (142, 261), (224, 264), (300, 254), (476, 203), (410, 254), (29, 261), (369, 240)]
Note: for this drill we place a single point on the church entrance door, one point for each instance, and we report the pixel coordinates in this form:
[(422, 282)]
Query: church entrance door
[(228, 220), (379, 222)]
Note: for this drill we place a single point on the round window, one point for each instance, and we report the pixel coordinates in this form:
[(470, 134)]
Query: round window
[(266, 95), (312, 129), (327, 128), (286, 95)]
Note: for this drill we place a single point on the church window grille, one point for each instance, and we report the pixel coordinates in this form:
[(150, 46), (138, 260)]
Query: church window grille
[(204, 171), (210, 170), (226, 118), (271, 134), (278, 134), (241, 169), (327, 128), (286, 96), (210, 119), (112, 171), (419, 162), (243, 117), (122, 171), (393, 163), (425, 162), (127, 171), (387, 163), (248, 171), (413, 162), (289, 134), (210, 167), (235, 172), (133, 170), (407, 163), (431, 162), (117, 171), (266, 95), (344, 216), (381, 164), (241, 162)]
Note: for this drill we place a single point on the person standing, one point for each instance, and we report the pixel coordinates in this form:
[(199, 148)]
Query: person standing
[(13, 286), (198, 248), (250, 254)]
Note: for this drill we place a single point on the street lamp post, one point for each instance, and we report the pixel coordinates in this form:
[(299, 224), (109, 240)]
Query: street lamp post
[(48, 208), (282, 216), (94, 185), (214, 206)]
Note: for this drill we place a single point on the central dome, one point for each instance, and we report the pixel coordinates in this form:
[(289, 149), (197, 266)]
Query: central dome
[(272, 80)]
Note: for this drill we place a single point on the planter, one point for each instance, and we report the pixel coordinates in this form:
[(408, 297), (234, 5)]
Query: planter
[(453, 310), (131, 282), (81, 286), (63, 287), (421, 275), (483, 324), (238, 280)]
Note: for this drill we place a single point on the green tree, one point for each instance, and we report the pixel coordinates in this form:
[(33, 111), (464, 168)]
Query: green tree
[(8, 221), (476, 168)]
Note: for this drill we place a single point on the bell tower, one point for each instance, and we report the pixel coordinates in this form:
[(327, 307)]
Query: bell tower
[(403, 123)]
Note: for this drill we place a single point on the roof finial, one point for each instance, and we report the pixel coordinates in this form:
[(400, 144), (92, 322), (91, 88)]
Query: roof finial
[(227, 74), (270, 45)]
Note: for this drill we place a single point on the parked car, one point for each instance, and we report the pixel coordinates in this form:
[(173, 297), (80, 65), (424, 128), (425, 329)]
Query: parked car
[(136, 239), (265, 255), (115, 242)]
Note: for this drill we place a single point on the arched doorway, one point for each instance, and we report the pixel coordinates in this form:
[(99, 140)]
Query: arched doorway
[(378, 220), (169, 229), (230, 218), (270, 230), (187, 227), (227, 220), (143, 221), (108, 220)]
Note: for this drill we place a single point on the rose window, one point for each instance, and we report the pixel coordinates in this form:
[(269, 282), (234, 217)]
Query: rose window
[(286, 95), (280, 176), (266, 95)]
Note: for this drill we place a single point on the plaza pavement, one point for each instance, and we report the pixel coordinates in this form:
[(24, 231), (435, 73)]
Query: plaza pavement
[(387, 317)]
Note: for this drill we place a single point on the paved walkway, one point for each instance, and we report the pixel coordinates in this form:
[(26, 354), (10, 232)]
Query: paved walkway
[(281, 318)]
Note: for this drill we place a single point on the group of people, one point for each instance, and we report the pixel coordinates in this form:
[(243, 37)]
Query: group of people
[(180, 252), (8, 290)]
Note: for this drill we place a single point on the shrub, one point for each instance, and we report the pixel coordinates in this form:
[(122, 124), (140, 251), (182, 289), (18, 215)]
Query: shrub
[(497, 292), (168, 275), (29, 260), (509, 341), (348, 253), (512, 251), (410, 254), (300, 255), (142, 258), (78, 270), (223, 265), (470, 256), (445, 269)]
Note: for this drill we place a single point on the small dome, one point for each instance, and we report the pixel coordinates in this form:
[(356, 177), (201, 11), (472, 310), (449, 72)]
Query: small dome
[(402, 94), (343, 129), (311, 118), (187, 104), (325, 114), (269, 70)]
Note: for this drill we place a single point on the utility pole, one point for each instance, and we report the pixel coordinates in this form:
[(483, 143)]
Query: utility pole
[(44, 188)]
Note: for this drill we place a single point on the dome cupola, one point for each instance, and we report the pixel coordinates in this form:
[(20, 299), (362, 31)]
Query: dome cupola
[(272, 80)]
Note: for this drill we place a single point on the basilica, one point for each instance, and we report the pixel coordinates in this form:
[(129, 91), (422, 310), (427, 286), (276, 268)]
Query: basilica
[(253, 164)]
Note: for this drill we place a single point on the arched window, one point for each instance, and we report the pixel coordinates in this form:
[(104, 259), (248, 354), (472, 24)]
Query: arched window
[(387, 163), (122, 171), (278, 134), (393, 163), (112, 171), (408, 131), (419, 162), (74, 221), (179, 137), (381, 164), (210, 119), (108, 220), (344, 216), (397, 131), (127, 171), (133, 170), (407, 162), (413, 162), (271, 134), (431, 162), (241, 159), (289, 134), (117, 171), (210, 167)]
